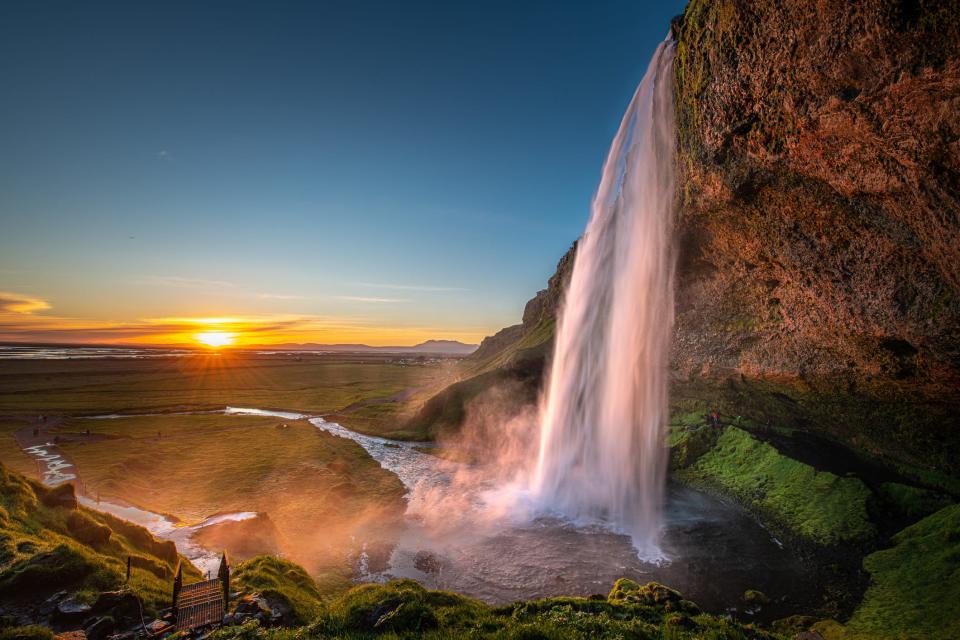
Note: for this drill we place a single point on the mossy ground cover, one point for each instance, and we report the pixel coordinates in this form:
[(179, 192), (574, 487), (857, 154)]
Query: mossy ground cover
[(818, 506), (915, 585), (404, 609), (47, 545), (283, 581), (10, 453)]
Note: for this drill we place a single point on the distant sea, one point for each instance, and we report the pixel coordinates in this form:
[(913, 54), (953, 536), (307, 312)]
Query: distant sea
[(48, 352)]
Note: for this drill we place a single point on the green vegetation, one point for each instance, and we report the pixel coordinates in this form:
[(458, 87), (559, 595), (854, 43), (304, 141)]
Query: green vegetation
[(912, 503), (283, 581), (915, 587), (47, 544), (404, 609), (517, 367), (818, 506), (30, 632), (10, 452)]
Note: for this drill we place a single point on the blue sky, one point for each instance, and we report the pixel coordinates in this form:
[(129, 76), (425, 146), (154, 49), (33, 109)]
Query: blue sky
[(398, 169)]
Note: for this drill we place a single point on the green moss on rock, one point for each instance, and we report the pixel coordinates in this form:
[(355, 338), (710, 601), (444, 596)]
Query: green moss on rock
[(284, 582), (911, 502), (405, 609), (816, 505), (915, 587)]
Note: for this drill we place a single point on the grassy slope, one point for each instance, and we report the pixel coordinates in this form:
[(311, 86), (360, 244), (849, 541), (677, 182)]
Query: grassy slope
[(10, 453), (521, 360), (404, 609), (282, 580), (46, 548), (819, 506), (313, 385), (915, 586)]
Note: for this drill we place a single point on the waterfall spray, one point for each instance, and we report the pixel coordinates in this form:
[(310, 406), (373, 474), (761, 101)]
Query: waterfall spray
[(603, 413)]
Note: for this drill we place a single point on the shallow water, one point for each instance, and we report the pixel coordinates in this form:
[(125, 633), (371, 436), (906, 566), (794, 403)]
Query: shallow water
[(167, 529)]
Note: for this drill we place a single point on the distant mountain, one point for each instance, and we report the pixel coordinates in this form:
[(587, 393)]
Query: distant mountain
[(437, 347)]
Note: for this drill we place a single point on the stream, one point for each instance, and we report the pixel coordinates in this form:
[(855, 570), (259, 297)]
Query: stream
[(714, 550)]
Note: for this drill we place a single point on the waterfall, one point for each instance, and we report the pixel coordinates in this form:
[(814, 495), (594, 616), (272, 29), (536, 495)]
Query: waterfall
[(603, 412)]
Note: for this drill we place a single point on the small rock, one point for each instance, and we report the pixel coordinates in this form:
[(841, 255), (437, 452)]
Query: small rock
[(70, 609), (427, 562), (157, 627), (50, 604), (99, 627), (71, 635)]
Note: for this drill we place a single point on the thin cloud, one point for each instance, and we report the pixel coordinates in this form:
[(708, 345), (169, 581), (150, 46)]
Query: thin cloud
[(371, 299), (408, 287), (21, 304), (280, 296), (163, 154), (193, 283)]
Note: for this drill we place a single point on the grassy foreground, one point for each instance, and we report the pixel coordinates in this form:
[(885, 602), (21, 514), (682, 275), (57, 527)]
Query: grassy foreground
[(915, 586), (404, 609)]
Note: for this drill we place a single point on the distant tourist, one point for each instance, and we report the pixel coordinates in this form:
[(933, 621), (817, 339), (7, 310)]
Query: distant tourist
[(714, 419)]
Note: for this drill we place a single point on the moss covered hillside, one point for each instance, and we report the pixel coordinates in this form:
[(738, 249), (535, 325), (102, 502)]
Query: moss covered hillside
[(48, 544)]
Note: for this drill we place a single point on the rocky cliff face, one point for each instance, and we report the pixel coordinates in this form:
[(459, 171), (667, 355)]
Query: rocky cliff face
[(818, 223), (819, 150)]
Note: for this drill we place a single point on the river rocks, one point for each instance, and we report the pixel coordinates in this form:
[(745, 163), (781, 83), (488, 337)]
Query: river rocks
[(754, 597), (427, 562), (99, 628), (626, 591), (70, 610)]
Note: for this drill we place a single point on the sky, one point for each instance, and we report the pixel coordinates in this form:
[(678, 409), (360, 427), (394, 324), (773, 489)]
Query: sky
[(376, 172)]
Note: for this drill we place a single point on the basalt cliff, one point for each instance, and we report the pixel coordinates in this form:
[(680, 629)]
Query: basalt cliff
[(818, 230)]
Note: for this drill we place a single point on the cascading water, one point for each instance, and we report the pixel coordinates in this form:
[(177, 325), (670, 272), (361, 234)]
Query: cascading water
[(603, 414)]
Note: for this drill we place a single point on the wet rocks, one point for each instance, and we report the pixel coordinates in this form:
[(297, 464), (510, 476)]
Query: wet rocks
[(626, 591), (754, 597), (427, 562), (99, 627), (70, 610)]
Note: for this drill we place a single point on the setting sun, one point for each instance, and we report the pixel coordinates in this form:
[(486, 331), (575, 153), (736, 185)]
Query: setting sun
[(215, 338)]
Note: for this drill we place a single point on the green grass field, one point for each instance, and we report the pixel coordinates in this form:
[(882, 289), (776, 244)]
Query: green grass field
[(308, 384)]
